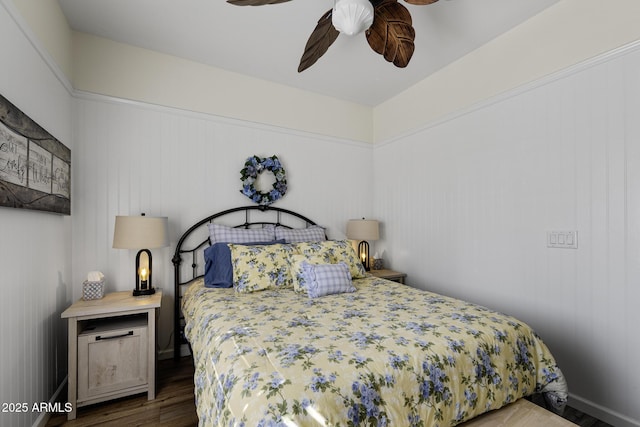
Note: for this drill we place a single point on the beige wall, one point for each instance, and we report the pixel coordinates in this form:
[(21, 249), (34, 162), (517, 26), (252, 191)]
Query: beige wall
[(115, 69), (48, 23), (97, 65), (563, 35)]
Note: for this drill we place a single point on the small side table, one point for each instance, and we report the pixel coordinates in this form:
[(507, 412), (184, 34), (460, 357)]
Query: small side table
[(112, 348), (389, 275)]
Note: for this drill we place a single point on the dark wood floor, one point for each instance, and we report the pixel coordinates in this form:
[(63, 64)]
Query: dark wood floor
[(174, 405)]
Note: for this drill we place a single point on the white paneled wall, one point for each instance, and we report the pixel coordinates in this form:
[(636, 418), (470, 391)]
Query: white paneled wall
[(134, 158), (466, 204), (35, 247)]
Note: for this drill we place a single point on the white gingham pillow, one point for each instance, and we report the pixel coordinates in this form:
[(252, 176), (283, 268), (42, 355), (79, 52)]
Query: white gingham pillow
[(226, 234), (327, 279), (313, 233)]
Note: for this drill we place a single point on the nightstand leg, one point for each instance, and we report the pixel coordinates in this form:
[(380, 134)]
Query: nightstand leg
[(151, 374), (72, 374)]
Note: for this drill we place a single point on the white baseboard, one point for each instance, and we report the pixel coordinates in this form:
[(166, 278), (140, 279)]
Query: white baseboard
[(604, 414), (42, 419)]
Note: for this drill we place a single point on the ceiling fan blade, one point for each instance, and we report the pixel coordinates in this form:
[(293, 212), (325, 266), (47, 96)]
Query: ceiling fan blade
[(421, 2), (254, 2), (391, 34), (321, 38)]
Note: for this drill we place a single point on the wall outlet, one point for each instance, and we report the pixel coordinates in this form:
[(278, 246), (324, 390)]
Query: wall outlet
[(562, 239)]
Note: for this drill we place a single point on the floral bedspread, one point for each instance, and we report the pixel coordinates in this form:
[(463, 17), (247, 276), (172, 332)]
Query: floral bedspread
[(386, 354)]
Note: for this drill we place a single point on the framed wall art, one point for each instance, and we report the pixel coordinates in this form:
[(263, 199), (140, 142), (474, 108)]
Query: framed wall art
[(35, 168)]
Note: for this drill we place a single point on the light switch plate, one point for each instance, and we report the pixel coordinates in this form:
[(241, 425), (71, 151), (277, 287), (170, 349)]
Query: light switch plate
[(562, 239)]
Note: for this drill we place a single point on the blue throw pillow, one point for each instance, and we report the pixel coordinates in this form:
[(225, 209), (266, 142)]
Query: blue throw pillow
[(218, 272)]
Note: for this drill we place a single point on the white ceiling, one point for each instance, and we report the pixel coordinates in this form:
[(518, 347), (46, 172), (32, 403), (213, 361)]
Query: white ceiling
[(267, 41)]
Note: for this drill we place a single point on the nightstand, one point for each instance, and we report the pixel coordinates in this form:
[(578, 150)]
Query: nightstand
[(112, 348), (389, 275)]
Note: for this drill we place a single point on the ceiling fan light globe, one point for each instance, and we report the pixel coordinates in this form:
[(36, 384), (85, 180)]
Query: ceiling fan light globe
[(352, 17)]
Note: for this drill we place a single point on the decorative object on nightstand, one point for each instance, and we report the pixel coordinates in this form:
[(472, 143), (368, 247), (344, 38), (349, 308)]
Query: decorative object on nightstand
[(136, 232), (394, 276), (93, 287), (363, 230)]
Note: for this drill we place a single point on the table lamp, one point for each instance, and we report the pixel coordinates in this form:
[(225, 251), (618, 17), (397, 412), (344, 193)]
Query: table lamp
[(143, 233), (363, 230)]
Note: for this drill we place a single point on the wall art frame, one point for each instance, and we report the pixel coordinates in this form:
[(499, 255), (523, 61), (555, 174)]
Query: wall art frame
[(35, 168)]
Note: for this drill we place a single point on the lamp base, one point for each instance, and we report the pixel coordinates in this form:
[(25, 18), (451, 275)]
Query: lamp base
[(139, 292), (363, 253)]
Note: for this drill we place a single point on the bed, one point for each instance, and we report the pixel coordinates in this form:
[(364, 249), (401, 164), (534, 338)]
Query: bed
[(281, 347)]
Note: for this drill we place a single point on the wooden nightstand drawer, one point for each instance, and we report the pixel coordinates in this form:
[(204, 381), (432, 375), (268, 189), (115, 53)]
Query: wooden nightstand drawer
[(112, 358)]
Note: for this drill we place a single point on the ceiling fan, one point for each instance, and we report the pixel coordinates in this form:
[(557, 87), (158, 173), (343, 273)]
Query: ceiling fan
[(387, 25)]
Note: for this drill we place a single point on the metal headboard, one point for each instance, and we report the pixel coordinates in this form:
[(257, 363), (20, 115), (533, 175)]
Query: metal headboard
[(196, 239)]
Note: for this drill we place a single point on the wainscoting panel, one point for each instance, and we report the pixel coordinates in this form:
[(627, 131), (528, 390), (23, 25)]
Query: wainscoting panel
[(133, 158), (466, 205)]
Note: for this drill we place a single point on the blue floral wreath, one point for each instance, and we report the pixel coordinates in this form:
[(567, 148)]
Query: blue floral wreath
[(253, 167)]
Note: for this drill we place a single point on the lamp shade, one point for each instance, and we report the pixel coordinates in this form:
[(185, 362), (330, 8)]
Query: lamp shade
[(352, 16), (363, 229), (137, 232)]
